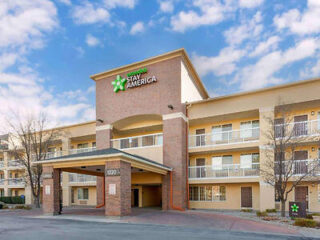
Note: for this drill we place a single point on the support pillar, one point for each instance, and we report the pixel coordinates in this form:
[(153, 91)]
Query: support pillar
[(51, 191), (267, 194), (175, 156), (165, 191), (118, 188), (66, 190)]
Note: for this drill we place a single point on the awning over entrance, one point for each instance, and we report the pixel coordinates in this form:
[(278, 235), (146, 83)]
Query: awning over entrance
[(93, 162)]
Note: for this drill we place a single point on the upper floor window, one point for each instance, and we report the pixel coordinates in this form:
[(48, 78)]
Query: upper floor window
[(279, 127), (222, 132), (82, 145), (249, 160), (220, 162), (249, 129), (201, 138), (300, 125), (94, 144)]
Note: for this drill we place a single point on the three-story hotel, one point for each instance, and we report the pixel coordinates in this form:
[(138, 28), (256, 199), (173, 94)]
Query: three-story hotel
[(160, 140)]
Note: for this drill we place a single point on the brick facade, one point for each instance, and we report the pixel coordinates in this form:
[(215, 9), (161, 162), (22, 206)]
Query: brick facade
[(118, 203), (51, 191)]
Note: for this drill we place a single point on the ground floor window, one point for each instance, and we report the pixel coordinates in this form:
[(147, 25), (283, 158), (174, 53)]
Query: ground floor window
[(1, 193), (83, 193), (210, 193)]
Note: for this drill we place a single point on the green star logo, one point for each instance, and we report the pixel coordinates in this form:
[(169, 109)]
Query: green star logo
[(119, 84), (294, 208)]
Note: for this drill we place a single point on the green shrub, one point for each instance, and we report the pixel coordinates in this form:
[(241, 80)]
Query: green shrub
[(271, 210), (303, 222), (315, 214), (23, 207), (12, 200), (261, 214), (246, 210), (309, 216)]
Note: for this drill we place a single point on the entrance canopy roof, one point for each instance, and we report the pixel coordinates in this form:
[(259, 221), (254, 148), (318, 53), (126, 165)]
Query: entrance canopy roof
[(93, 162)]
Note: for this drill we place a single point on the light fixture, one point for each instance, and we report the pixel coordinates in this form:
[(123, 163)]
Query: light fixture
[(100, 120), (170, 106), (83, 167), (312, 113), (312, 149), (98, 169)]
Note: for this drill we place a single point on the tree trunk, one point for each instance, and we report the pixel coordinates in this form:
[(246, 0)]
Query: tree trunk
[(37, 201), (283, 208)]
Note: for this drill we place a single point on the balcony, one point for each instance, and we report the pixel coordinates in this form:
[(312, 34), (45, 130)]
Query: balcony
[(2, 182), (310, 167), (1, 164), (298, 129), (226, 171), (16, 182), (81, 150), (151, 140), (224, 138), (53, 154), (81, 178), (15, 164)]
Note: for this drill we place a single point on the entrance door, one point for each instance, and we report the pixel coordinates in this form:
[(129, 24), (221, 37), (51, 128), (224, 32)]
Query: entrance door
[(136, 197), (300, 166), (301, 195), (200, 141), (246, 197), (200, 163)]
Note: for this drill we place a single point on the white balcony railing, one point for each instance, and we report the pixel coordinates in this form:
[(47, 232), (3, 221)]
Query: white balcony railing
[(138, 141), (15, 163), (15, 181), (81, 150), (226, 171), (309, 167), (2, 181), (53, 154), (224, 137), (1, 164), (81, 178), (298, 129)]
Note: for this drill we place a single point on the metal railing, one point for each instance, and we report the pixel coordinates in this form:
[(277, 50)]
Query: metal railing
[(53, 154), (138, 141), (16, 181), (224, 137), (1, 164), (81, 150), (309, 167), (15, 163), (225, 171), (81, 178), (2, 181), (297, 129)]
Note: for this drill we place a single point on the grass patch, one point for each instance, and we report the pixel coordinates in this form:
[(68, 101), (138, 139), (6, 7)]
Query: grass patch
[(23, 207), (261, 214), (271, 210), (303, 222), (246, 210)]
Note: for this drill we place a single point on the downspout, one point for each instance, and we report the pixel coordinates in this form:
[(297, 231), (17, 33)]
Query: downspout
[(187, 157), (104, 193)]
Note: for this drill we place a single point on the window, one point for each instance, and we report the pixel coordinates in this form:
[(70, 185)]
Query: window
[(147, 141), (300, 125), (249, 129), (222, 133), (83, 193), (279, 128), (1, 192), (200, 137), (16, 193), (248, 160), (83, 145), (209, 193), (94, 144), (318, 192), (51, 149), (218, 163)]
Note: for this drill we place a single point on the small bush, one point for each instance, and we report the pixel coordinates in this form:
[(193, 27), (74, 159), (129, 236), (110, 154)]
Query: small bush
[(23, 207), (315, 214), (303, 222), (270, 218), (272, 210), (261, 214), (246, 210), (309, 216), (12, 200)]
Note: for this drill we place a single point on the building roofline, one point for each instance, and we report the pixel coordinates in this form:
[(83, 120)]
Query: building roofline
[(260, 90), (172, 54)]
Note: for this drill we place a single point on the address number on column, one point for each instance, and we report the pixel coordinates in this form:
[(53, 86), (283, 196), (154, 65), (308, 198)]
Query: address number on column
[(113, 172)]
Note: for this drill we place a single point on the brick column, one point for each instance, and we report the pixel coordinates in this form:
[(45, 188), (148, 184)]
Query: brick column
[(165, 191), (51, 191), (118, 189), (267, 193), (103, 137), (174, 155)]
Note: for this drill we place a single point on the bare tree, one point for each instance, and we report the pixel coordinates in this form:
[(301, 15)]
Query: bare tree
[(29, 141), (284, 169)]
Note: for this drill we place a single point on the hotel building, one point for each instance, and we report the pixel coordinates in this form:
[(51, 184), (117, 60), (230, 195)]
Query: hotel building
[(160, 140)]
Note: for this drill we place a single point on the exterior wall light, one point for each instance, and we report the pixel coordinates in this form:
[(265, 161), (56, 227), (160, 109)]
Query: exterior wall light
[(100, 120), (170, 106)]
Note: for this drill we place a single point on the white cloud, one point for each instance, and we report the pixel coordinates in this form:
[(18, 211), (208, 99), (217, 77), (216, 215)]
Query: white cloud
[(248, 29), (307, 22), (250, 3), (87, 13), (92, 41), (211, 12), (262, 73), (166, 6), (311, 71), (25, 22), (120, 3), (223, 64), (7, 60), (264, 47), (138, 27), (66, 2)]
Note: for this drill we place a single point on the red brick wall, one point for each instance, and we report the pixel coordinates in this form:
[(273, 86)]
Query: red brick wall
[(51, 202), (120, 203)]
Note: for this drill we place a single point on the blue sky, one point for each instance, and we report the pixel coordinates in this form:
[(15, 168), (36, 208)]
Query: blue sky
[(48, 49)]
